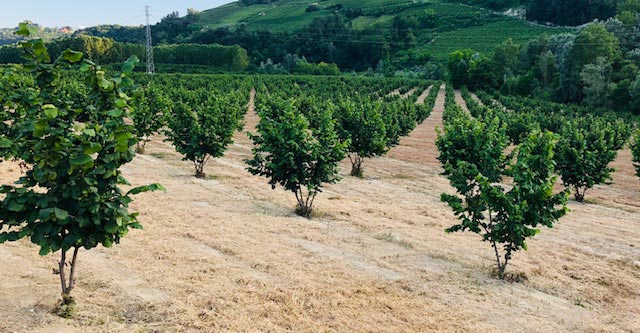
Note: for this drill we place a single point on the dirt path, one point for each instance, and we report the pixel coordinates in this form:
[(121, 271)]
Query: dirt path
[(409, 93), (227, 254), (476, 98), (405, 95), (423, 96), (420, 145), (460, 100)]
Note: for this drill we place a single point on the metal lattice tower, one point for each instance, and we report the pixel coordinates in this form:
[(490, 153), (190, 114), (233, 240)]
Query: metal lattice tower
[(151, 68)]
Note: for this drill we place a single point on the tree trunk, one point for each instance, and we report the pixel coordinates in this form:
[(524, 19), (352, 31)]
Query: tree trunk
[(501, 267), (356, 165), (580, 195), (67, 307), (139, 148), (200, 169), (304, 207)]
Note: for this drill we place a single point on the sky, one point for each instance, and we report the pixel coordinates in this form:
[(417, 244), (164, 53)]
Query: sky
[(78, 14)]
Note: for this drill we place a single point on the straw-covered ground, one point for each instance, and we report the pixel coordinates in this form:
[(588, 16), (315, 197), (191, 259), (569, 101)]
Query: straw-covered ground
[(228, 254)]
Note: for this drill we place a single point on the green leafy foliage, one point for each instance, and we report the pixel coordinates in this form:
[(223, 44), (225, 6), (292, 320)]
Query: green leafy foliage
[(69, 198), (362, 126), (108, 51), (202, 126), (149, 110), (399, 117), (451, 109), (635, 150), (459, 64), (290, 152), (588, 142), (469, 147), (472, 155), (587, 147), (596, 65)]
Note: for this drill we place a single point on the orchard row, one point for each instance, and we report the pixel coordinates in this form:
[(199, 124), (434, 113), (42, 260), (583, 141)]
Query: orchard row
[(71, 126), (503, 157)]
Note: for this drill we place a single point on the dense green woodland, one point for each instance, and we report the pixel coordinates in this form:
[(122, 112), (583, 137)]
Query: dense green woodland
[(381, 35), (559, 12), (598, 67), (106, 51)]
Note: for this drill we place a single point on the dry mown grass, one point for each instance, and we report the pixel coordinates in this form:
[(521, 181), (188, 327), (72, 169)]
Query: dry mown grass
[(228, 254)]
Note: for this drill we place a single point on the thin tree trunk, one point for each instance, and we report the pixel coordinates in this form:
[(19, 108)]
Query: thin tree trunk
[(500, 265), (199, 164), (61, 272), (506, 261), (356, 165), (580, 195), (305, 203), (67, 307), (72, 274)]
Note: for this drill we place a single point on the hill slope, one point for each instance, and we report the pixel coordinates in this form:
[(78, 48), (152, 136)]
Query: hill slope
[(385, 35), (438, 27), (287, 15)]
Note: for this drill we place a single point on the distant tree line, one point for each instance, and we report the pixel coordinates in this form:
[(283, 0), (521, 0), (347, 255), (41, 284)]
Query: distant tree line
[(570, 12), (332, 39), (326, 39), (559, 12), (292, 64), (106, 51), (492, 4)]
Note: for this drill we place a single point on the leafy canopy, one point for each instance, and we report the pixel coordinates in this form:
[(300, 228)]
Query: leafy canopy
[(587, 146), (151, 106), (472, 155), (202, 126), (72, 146), (291, 153), (69, 196), (361, 124)]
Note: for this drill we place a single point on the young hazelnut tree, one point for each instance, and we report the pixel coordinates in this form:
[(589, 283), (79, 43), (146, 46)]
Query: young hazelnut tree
[(202, 127), (70, 196), (361, 124), (473, 158), (150, 105), (291, 153), (587, 146)]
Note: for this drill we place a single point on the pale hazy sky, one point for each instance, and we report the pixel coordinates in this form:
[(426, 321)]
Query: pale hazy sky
[(85, 13)]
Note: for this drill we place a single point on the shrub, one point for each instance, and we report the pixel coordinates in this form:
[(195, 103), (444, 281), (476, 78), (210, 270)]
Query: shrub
[(149, 110), (472, 155), (361, 124), (289, 152), (587, 147), (69, 198), (203, 127), (312, 8)]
